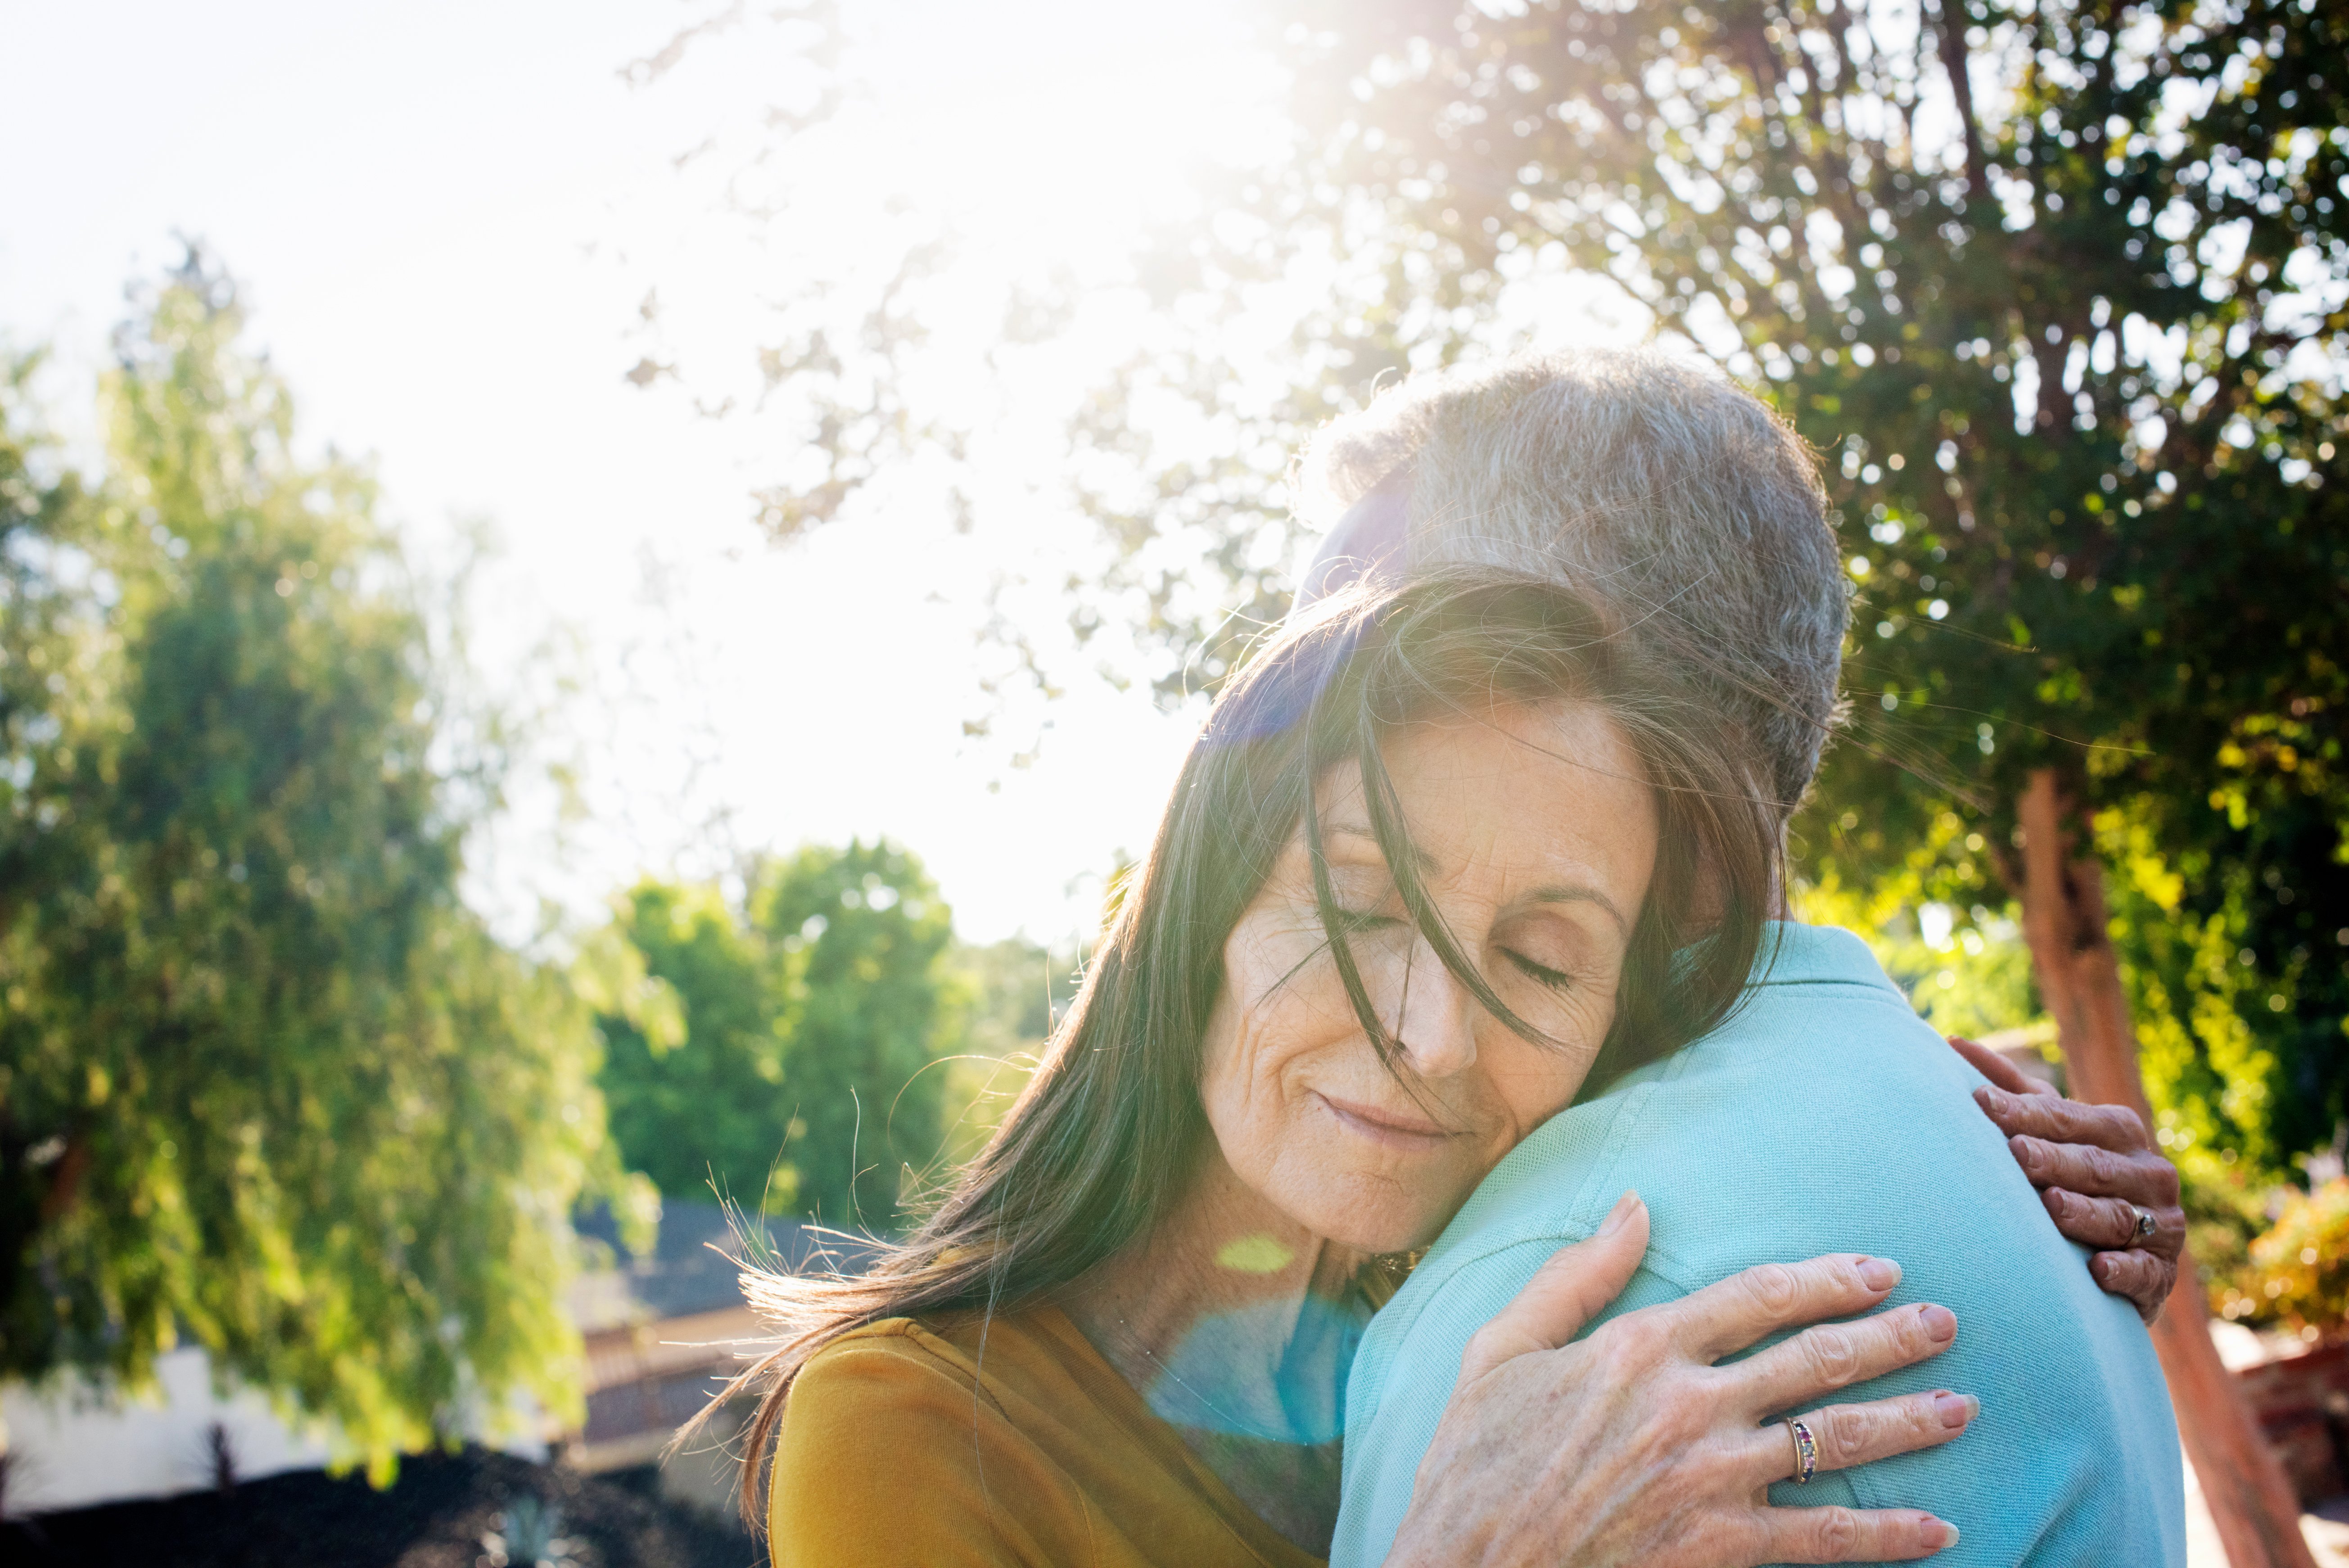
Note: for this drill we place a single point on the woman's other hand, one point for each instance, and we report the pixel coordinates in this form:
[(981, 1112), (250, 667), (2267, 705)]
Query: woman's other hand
[(2098, 1174), (1633, 1446)]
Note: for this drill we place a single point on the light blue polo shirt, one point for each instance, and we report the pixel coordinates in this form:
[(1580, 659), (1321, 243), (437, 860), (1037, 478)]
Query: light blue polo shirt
[(1825, 1116)]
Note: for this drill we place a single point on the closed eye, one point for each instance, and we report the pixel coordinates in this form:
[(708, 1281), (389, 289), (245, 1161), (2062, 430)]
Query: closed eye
[(1350, 921), (1557, 980)]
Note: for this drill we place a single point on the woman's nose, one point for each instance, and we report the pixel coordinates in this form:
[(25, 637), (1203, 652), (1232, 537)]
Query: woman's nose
[(1437, 1020)]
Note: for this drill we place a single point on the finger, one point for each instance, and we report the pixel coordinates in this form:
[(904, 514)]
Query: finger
[(1852, 1535), (1566, 1293), (1711, 1323), (2144, 1179), (1847, 1435), (2059, 1120), (1836, 1354), (1998, 1069), (2096, 1222), (2144, 1278)]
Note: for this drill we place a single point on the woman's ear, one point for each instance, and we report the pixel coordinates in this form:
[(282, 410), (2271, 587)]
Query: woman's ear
[(1706, 904), (1711, 885)]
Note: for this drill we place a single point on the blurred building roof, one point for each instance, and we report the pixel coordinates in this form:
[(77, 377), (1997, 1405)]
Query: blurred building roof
[(696, 1265), (664, 1331)]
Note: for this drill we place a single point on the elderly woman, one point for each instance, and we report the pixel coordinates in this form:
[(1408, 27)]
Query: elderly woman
[(1441, 862)]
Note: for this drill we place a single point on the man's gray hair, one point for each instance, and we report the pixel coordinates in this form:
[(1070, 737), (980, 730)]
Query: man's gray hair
[(1682, 500)]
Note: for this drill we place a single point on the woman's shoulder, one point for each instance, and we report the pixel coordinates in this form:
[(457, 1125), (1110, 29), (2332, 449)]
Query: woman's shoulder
[(978, 1438), (885, 1343), (881, 1451), (948, 1388), (966, 1350)]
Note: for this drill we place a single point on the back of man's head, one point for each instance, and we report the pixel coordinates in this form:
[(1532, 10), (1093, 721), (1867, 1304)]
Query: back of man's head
[(1681, 500)]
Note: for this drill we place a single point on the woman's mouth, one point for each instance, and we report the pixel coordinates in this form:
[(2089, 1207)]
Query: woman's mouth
[(1396, 1129)]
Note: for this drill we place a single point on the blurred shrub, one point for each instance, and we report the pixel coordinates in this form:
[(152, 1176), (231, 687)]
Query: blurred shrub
[(2296, 1274), (823, 1043)]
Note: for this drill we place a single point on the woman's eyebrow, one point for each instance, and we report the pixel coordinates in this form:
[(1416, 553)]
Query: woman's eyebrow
[(1418, 857), (1556, 893), (1577, 894)]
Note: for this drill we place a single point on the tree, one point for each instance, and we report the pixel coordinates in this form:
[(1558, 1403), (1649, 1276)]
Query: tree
[(868, 927), (265, 1083), (811, 1015), (1010, 995), (704, 1100)]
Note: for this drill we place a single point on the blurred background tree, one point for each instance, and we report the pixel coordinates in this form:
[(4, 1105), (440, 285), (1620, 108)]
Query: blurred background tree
[(869, 933), (1011, 993), (820, 1016), (700, 1096), (266, 1085)]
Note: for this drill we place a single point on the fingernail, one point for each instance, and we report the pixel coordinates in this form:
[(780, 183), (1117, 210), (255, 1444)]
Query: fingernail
[(1620, 1213), (1999, 1098), (1955, 1409), (1940, 1326), (1949, 1534), (1880, 1274), (2026, 1149)]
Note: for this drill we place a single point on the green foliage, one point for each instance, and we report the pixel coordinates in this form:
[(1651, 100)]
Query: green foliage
[(869, 929), (264, 1082), (812, 1014), (705, 1099), (1965, 967), (1011, 993)]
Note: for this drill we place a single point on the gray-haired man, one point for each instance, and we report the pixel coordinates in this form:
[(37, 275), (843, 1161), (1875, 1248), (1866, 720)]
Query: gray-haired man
[(1823, 1117)]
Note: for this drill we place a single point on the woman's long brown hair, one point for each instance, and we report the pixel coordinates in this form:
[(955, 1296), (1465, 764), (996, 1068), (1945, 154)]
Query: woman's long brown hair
[(1101, 1140)]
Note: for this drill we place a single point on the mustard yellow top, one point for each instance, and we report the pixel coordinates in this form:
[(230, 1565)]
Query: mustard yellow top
[(901, 1448)]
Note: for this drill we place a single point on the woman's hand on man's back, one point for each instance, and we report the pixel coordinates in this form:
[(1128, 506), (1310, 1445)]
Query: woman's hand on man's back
[(2099, 1174), (1633, 1446)]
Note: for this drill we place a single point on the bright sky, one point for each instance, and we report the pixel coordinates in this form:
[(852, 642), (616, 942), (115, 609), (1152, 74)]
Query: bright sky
[(445, 215)]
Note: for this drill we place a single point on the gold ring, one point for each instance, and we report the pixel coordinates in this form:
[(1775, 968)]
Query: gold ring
[(1806, 1451)]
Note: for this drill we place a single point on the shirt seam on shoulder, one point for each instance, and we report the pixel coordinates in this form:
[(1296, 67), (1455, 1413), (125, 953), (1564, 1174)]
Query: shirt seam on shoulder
[(1618, 1141), (935, 1351)]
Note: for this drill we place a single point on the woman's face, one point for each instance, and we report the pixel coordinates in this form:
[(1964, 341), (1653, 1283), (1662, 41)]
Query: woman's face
[(1537, 834)]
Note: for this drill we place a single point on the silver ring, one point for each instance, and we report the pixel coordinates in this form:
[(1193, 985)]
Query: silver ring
[(1806, 1451), (2145, 1223)]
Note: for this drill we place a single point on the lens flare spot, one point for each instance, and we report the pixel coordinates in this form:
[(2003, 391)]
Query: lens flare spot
[(1256, 1254)]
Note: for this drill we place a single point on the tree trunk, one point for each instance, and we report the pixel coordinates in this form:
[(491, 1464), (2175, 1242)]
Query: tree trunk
[(2063, 918)]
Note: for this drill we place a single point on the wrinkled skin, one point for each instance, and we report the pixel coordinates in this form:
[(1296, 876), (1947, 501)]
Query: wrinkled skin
[(1631, 1446), (2096, 1170)]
